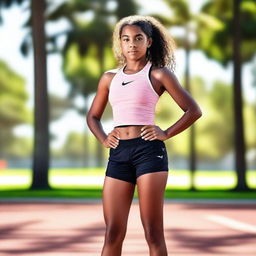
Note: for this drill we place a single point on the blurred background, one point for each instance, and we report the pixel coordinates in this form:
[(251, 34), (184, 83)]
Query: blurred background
[(52, 54)]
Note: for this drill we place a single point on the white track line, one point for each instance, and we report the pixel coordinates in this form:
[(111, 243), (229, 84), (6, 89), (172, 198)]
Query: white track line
[(234, 224)]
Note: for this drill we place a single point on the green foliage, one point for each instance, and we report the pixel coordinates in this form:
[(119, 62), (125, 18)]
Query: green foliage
[(179, 7), (216, 137), (19, 147), (217, 42), (216, 127), (213, 27), (191, 24), (13, 110), (74, 146), (250, 125), (125, 8), (84, 57), (13, 97), (83, 72), (58, 106)]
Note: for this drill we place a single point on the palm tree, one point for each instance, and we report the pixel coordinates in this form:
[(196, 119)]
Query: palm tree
[(240, 162), (41, 133), (41, 112), (218, 46)]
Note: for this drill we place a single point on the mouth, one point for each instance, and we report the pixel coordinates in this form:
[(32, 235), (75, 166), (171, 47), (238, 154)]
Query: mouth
[(132, 52)]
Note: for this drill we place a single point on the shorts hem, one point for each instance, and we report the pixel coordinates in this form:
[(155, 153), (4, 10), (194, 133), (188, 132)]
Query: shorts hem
[(146, 172), (118, 178)]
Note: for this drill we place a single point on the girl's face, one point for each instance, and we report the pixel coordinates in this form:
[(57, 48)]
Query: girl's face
[(134, 42)]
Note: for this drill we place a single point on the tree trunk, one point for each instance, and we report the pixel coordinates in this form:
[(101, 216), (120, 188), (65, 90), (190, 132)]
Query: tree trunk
[(192, 151), (41, 132), (240, 164)]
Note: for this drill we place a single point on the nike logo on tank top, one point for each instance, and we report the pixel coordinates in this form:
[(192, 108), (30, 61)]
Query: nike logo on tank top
[(133, 98)]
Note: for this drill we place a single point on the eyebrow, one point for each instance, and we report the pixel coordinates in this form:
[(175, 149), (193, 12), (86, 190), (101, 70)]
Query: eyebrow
[(135, 35)]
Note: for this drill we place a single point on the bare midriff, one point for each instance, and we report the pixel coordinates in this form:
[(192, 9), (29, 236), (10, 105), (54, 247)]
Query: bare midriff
[(129, 131)]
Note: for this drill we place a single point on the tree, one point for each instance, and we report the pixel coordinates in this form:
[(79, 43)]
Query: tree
[(238, 104), (41, 112), (41, 132), (13, 109), (226, 44)]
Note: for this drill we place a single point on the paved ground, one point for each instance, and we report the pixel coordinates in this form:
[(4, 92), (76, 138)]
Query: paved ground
[(76, 229)]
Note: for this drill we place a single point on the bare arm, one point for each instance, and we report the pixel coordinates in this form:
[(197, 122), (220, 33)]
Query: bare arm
[(192, 112), (96, 110), (191, 109)]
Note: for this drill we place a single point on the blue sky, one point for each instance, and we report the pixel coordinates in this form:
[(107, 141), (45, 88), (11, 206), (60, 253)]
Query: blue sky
[(11, 35)]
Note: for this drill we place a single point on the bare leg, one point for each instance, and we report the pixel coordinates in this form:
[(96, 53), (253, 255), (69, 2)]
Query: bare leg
[(151, 188), (117, 198)]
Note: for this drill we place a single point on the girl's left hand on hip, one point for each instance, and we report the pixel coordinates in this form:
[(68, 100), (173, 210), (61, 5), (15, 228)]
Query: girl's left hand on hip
[(153, 132)]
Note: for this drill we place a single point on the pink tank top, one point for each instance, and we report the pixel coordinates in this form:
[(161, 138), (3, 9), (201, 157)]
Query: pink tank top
[(133, 98)]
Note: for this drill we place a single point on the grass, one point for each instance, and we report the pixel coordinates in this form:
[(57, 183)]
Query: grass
[(71, 183), (95, 193)]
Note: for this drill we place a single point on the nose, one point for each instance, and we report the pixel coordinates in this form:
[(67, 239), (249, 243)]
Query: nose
[(132, 44)]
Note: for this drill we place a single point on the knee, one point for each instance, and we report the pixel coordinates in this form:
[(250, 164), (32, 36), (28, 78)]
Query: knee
[(114, 235), (154, 235)]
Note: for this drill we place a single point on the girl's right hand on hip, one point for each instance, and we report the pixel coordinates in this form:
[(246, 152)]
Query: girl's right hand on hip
[(112, 139)]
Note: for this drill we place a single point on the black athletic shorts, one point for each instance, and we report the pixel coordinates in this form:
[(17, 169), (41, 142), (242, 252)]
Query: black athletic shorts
[(134, 157)]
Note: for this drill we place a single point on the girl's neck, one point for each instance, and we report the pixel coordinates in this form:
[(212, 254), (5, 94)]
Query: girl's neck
[(135, 66)]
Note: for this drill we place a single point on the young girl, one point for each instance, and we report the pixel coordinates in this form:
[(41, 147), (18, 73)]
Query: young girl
[(138, 154)]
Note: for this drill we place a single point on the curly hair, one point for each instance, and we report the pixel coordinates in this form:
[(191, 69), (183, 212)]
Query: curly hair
[(161, 51)]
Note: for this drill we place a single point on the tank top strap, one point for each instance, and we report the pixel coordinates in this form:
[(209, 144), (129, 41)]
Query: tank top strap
[(147, 67)]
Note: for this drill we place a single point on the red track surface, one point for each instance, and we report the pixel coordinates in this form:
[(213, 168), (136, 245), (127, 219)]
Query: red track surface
[(65, 229)]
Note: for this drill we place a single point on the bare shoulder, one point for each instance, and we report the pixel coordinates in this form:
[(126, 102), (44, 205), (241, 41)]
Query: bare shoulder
[(107, 77), (171, 84), (166, 78), (162, 73)]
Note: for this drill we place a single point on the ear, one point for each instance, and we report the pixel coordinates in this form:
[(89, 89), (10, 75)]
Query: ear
[(149, 42)]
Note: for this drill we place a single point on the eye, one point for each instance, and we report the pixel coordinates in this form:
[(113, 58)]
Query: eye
[(139, 38), (125, 39)]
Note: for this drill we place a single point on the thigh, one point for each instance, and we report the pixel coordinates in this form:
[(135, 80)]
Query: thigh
[(117, 198), (151, 188)]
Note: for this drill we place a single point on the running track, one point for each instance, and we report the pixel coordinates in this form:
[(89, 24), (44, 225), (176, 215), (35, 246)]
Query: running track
[(76, 229)]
